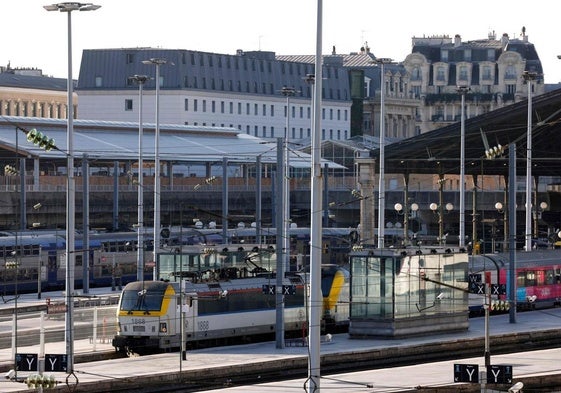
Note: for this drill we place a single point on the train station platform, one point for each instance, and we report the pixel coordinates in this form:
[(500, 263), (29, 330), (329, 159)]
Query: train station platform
[(224, 366)]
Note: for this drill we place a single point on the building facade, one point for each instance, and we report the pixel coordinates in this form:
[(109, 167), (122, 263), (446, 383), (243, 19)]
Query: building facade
[(364, 69)]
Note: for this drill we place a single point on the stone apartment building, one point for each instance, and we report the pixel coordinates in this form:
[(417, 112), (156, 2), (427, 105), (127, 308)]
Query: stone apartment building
[(27, 92), (492, 69)]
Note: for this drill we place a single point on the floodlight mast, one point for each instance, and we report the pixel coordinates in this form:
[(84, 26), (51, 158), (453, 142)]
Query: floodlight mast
[(157, 62), (68, 7)]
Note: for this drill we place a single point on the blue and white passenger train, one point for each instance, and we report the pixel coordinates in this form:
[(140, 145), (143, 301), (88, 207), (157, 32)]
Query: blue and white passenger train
[(30, 259)]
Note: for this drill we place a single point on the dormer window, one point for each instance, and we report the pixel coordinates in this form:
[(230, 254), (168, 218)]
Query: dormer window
[(463, 73), (440, 75)]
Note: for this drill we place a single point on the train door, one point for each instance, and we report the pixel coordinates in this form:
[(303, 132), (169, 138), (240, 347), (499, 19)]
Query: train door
[(188, 313), (52, 268)]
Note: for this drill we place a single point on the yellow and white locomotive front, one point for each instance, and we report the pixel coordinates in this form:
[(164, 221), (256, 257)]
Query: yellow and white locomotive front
[(146, 315)]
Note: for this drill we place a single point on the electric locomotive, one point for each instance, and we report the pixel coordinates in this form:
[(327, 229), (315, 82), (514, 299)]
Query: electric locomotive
[(210, 298)]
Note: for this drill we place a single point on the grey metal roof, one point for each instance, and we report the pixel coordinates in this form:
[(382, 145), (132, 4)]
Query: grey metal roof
[(109, 141), (360, 60), (8, 79)]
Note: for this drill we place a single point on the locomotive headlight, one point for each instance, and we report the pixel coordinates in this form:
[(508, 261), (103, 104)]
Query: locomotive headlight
[(163, 327)]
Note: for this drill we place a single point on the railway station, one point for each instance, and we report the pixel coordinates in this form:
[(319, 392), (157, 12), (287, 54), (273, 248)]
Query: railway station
[(496, 152)]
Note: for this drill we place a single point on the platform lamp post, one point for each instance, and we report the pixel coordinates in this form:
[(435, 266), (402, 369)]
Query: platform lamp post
[(382, 180), (462, 90), (157, 62), (38, 206), (71, 191), (439, 209), (538, 213), (503, 209), (529, 77), (12, 171), (140, 80), (405, 210)]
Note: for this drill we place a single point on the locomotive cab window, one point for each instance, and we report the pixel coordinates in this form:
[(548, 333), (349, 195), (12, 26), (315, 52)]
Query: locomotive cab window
[(143, 296)]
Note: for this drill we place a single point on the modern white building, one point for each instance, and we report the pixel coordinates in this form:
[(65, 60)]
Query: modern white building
[(243, 91)]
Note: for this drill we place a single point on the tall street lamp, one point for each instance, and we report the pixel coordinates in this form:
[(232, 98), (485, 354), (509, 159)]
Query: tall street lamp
[(462, 90), (381, 187), (314, 331), (140, 80), (157, 62), (287, 92), (529, 77), (70, 191)]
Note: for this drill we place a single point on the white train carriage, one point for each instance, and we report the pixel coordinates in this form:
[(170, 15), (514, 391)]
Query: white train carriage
[(150, 313)]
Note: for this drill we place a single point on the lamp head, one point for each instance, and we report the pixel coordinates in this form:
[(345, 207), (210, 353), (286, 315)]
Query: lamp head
[(154, 60), (71, 6)]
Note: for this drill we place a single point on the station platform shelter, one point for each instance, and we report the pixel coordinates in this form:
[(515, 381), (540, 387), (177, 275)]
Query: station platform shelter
[(408, 292)]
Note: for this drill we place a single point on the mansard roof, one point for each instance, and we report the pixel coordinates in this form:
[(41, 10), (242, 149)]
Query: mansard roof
[(432, 49), (363, 60), (253, 72)]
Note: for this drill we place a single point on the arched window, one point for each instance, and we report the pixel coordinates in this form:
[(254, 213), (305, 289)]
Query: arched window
[(510, 72)]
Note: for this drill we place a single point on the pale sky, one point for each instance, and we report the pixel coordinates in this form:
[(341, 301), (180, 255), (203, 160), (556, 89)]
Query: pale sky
[(33, 37)]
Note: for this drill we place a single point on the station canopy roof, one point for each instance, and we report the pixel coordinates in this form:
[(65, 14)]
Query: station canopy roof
[(439, 151), (108, 141)]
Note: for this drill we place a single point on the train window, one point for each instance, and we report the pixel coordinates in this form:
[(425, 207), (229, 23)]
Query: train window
[(530, 278), (27, 250), (8, 251), (521, 279), (540, 277), (108, 247), (549, 277)]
